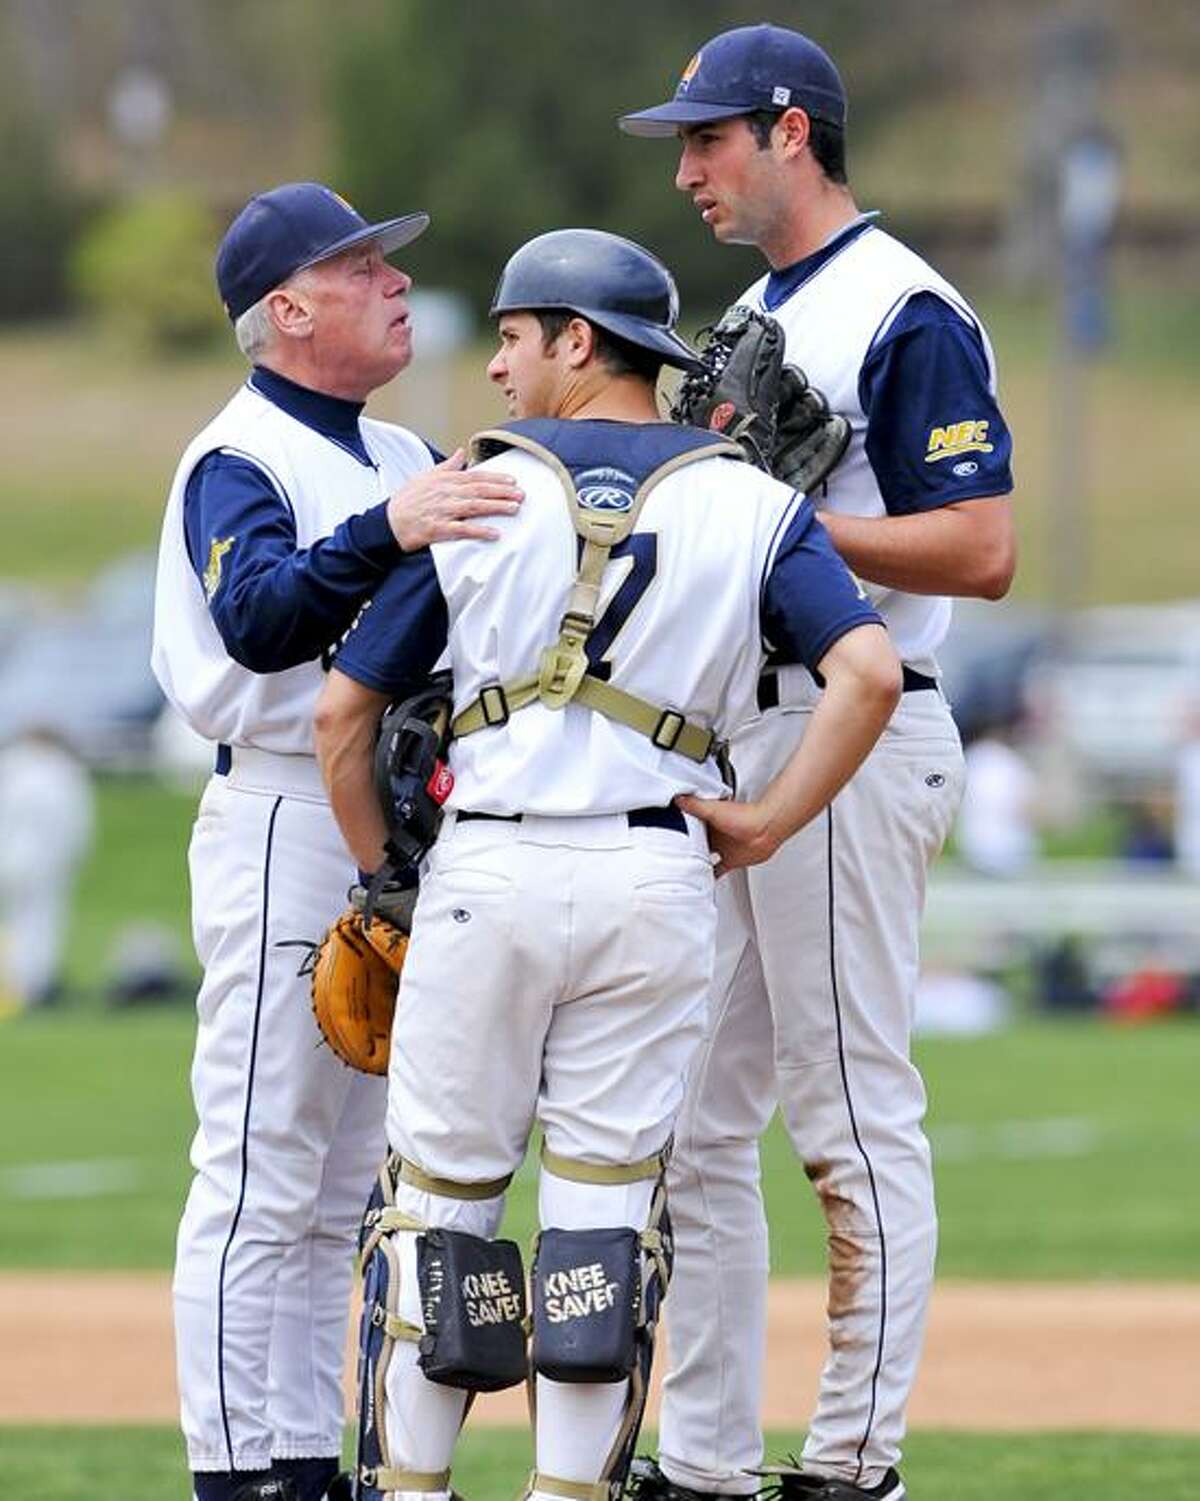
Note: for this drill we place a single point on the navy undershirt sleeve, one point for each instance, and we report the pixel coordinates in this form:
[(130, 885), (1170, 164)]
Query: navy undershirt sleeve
[(934, 431), (276, 605), (810, 598), (398, 638)]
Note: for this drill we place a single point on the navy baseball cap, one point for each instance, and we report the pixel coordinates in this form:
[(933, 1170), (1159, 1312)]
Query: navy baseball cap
[(750, 68), (293, 226)]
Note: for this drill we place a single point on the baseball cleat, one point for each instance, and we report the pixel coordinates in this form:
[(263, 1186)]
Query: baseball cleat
[(784, 1484), (648, 1483), (341, 1487)]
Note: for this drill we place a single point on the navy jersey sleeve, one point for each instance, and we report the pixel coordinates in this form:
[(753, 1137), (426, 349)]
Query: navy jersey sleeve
[(402, 631), (276, 605), (934, 431), (810, 598)]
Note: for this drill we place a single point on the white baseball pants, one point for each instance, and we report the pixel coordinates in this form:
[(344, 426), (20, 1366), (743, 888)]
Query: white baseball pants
[(288, 1139), (817, 960), (559, 971)]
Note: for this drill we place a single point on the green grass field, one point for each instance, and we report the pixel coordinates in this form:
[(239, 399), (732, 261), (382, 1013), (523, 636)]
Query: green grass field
[(144, 1464), (1064, 1151)]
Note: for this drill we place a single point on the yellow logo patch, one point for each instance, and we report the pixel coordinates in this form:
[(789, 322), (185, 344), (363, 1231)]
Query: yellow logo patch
[(212, 571), (957, 438), (690, 71)]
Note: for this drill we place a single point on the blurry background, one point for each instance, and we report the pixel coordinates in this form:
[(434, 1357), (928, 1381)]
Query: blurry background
[(1045, 155)]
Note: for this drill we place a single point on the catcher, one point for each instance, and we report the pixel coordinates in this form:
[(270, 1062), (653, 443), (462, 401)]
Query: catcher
[(562, 951), (742, 389)]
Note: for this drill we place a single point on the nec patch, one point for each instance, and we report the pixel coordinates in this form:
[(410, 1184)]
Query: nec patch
[(212, 569), (605, 489), (952, 441)]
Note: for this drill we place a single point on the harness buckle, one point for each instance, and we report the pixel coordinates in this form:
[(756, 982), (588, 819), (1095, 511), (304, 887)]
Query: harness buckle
[(493, 704), (561, 672), (667, 731)]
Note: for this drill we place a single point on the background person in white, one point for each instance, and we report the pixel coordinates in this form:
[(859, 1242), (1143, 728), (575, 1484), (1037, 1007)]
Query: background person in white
[(47, 812), (818, 950), (997, 822), (562, 941), (285, 513)]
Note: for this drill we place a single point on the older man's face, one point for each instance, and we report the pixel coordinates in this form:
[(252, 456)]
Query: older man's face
[(361, 333)]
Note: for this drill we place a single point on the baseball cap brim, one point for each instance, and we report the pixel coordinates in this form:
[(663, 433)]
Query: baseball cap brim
[(665, 119), (391, 234)]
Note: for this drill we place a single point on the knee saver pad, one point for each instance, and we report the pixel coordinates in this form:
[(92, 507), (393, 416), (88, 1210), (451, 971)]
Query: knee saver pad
[(587, 1304), (473, 1310)]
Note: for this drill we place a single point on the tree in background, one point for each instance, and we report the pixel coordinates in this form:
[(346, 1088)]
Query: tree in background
[(39, 210), (144, 268), (501, 121)]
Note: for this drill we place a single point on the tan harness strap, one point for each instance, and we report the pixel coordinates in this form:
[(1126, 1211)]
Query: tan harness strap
[(394, 1326), (563, 675), (665, 728), (386, 1478), (570, 1490), (576, 1171), (446, 1188)]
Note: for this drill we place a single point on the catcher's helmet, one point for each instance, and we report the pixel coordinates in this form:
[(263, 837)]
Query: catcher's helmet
[(610, 281)]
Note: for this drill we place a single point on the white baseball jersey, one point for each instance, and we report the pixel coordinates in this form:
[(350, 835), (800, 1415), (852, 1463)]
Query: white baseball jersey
[(845, 303), (681, 624), (321, 483)]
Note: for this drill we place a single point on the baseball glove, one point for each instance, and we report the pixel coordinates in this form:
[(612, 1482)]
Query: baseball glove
[(745, 391), (355, 977)]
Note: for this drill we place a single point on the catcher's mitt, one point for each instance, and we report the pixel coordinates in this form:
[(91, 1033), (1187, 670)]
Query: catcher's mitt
[(355, 976), (745, 391)]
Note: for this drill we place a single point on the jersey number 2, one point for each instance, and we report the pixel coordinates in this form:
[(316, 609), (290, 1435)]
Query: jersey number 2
[(642, 547)]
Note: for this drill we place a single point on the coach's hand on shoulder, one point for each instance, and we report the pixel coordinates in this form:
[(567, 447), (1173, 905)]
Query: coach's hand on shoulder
[(440, 504)]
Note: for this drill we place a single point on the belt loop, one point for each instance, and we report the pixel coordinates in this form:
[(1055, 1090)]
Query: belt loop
[(224, 762)]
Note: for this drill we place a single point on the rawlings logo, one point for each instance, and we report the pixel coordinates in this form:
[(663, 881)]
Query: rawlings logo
[(606, 489), (722, 415)]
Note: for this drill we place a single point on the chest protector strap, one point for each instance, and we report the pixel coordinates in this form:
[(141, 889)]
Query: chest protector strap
[(563, 675)]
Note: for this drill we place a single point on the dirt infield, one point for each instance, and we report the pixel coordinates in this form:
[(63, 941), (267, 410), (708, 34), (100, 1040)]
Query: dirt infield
[(97, 1348)]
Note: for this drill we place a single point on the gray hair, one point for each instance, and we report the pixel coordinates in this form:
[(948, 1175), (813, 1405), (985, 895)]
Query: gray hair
[(255, 330)]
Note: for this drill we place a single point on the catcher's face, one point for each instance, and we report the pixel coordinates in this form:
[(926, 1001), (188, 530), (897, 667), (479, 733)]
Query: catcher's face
[(530, 376), (736, 185)]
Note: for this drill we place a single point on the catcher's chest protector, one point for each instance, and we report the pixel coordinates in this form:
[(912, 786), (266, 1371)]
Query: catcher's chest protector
[(678, 625), (604, 501)]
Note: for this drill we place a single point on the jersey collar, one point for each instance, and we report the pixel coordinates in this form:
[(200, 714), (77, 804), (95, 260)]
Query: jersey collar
[(781, 284), (333, 417)]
